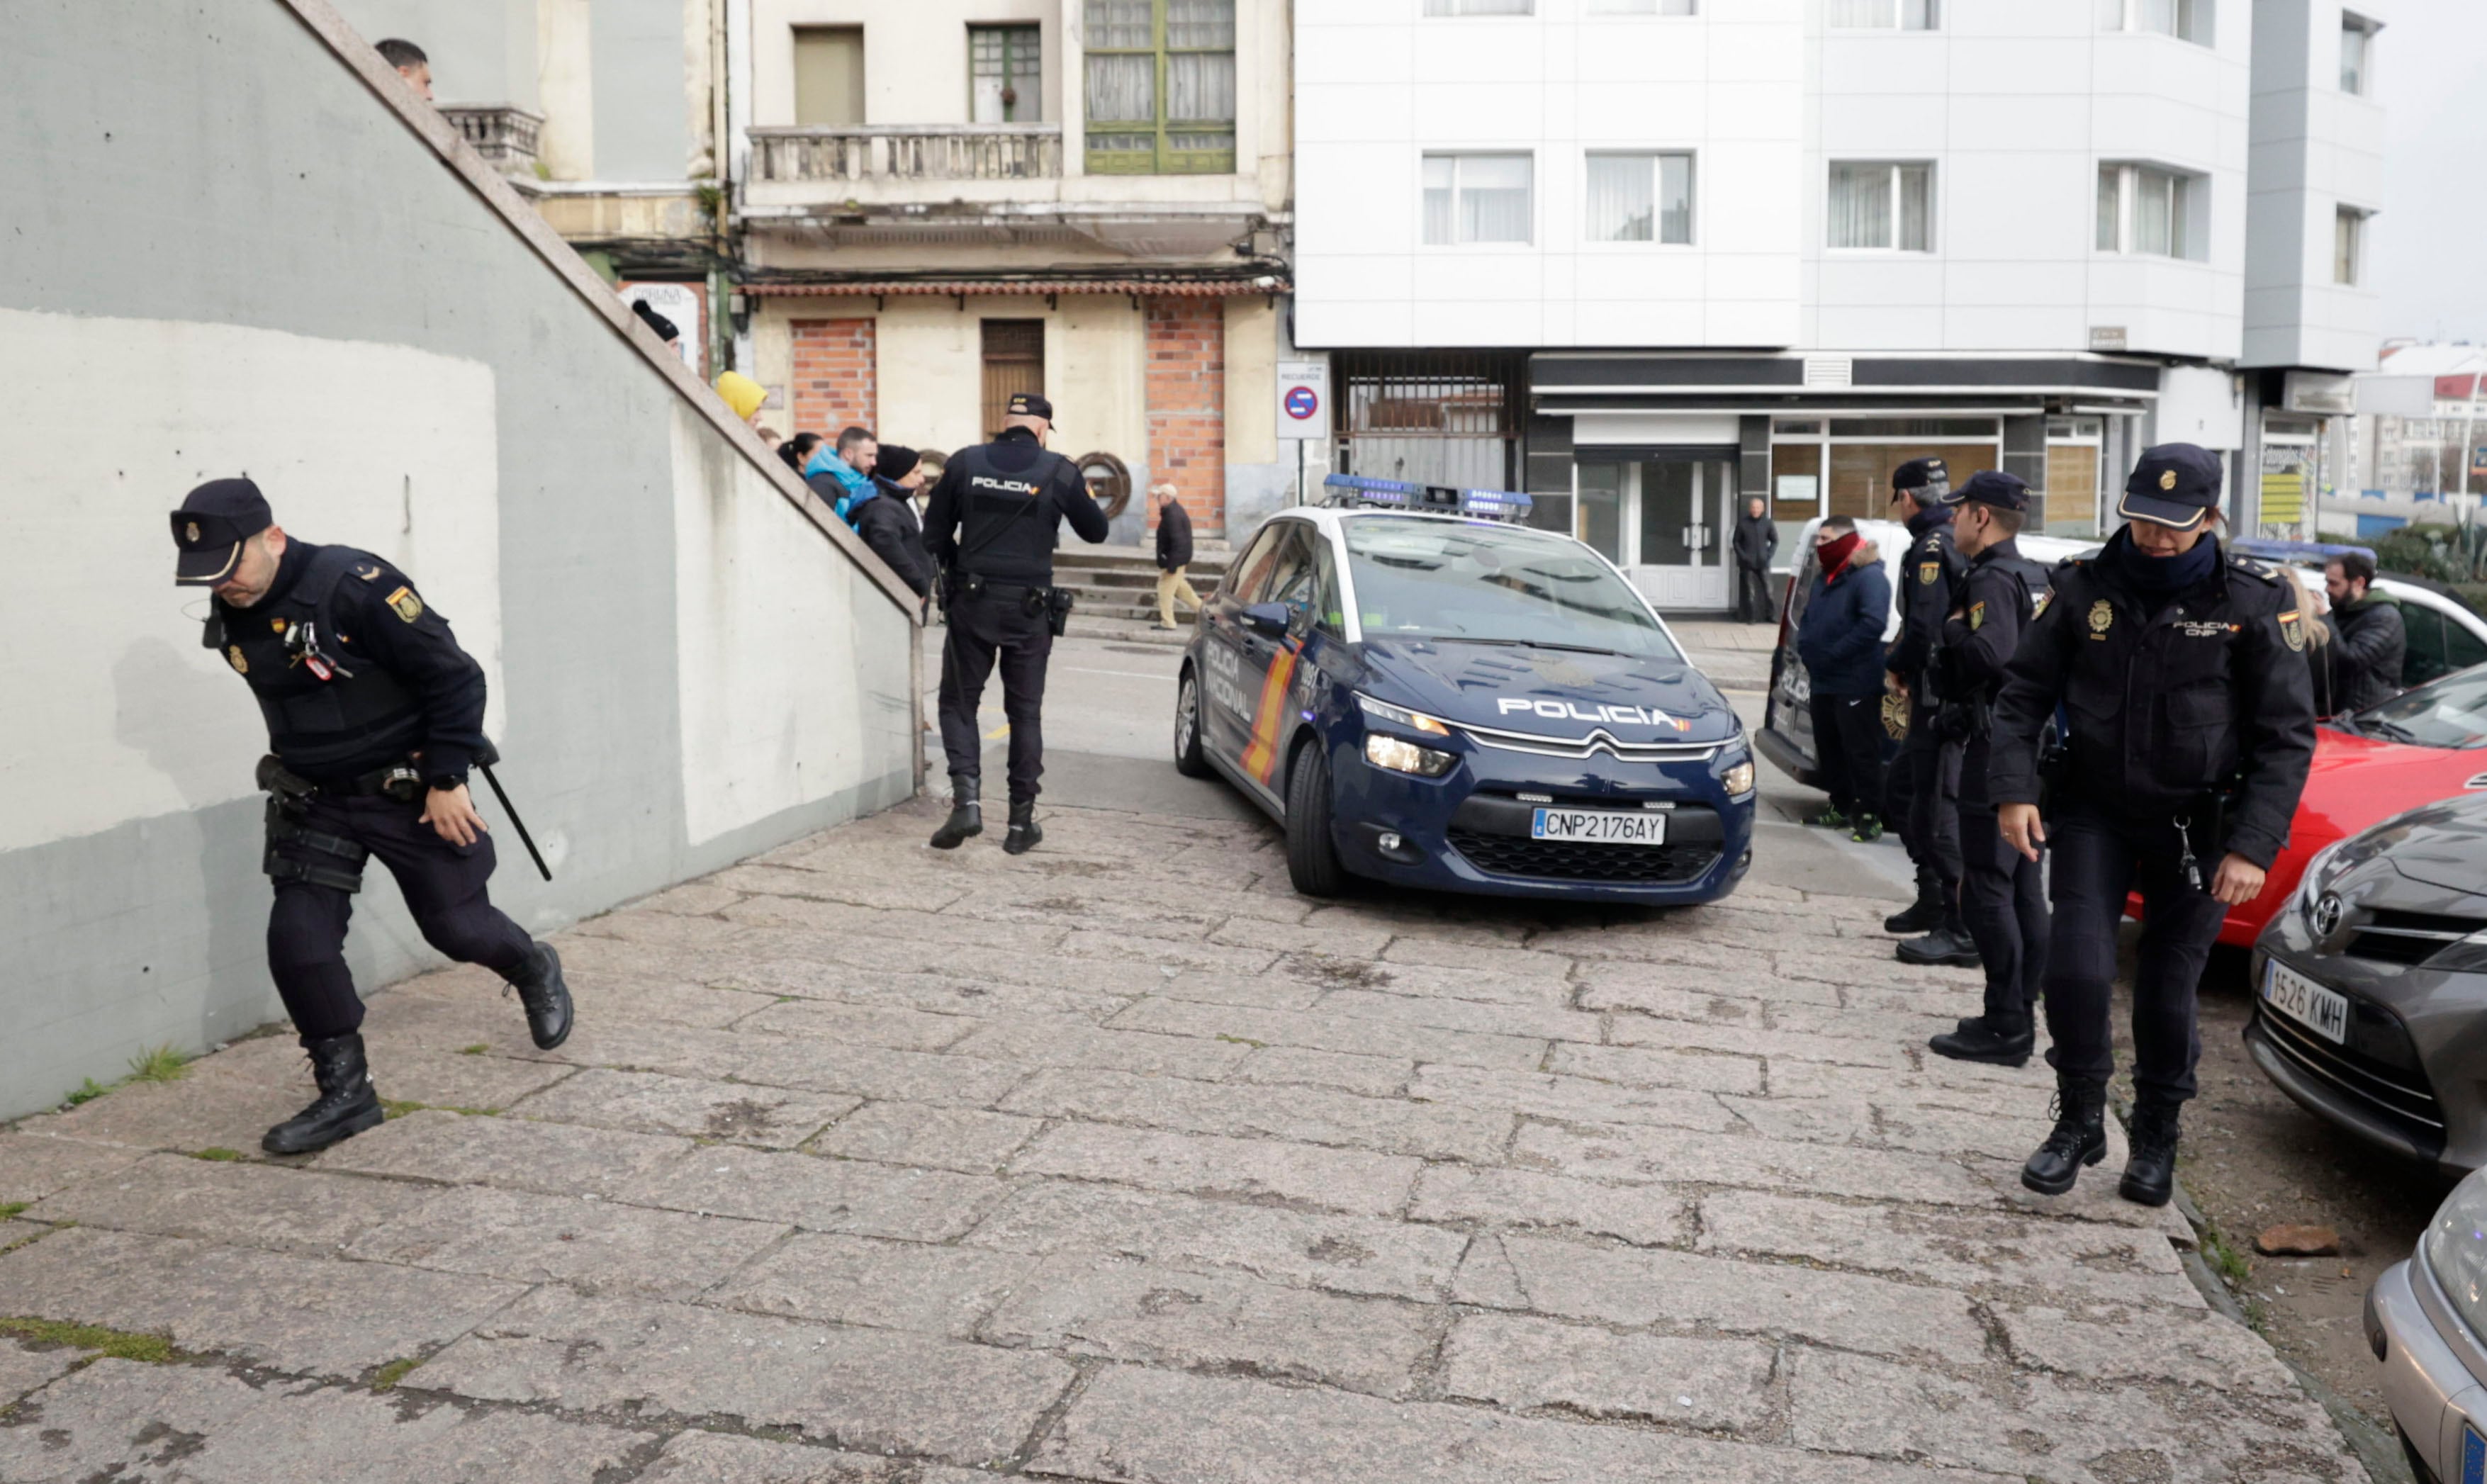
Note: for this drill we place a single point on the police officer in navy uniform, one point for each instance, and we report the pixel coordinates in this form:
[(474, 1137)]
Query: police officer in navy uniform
[(2002, 895), (2182, 672), (991, 526), (1925, 777), (373, 716)]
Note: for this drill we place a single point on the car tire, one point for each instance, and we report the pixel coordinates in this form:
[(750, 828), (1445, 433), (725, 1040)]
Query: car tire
[(1312, 856), (1188, 760)]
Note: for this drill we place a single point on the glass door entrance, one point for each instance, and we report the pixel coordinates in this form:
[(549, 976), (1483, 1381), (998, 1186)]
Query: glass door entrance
[(1665, 523)]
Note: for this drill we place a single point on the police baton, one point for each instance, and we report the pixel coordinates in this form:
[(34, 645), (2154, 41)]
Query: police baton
[(516, 823)]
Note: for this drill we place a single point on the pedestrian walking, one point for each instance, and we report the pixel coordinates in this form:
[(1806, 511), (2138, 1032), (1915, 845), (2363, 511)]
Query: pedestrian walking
[(1757, 542), (1925, 788), (2181, 669), (1174, 554), (1840, 641), (374, 715), (884, 516), (410, 64), (2002, 895), (2365, 664), (995, 520)]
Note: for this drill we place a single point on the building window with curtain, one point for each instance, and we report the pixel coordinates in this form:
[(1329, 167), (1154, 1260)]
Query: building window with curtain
[(2187, 20), (1478, 198), (2149, 211), (1480, 7), (1005, 75), (1161, 87), (2348, 245), (1014, 362), (1882, 205), (1641, 198), (2356, 44), (1885, 14)]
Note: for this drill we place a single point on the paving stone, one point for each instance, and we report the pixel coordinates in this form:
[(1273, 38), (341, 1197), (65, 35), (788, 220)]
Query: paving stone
[(1342, 939), (722, 1458), (1534, 1023), (1527, 1363), (891, 1026), (1270, 991), (2130, 1343), (1540, 1095), (1612, 1152), (818, 1194), (1506, 964), (659, 928), (1134, 1425), (890, 1285), (841, 919), (441, 1017), (23, 1369), (2035, 1428), (602, 1246), (969, 962), (1747, 1041), (830, 878), (1209, 1164), (1211, 958), (1055, 1041), (1642, 1067), (1424, 980), (434, 1076), (1343, 1253), (564, 1159), (691, 899), (653, 1103), (1594, 948), (1371, 1076), (2092, 1198), (1148, 1312), (1644, 1286), (1318, 1031), (809, 1066), (295, 1314), (956, 1138), (199, 1111), (1307, 1114), (252, 1205), (34, 1165), (864, 1389), (929, 992), (1647, 1216)]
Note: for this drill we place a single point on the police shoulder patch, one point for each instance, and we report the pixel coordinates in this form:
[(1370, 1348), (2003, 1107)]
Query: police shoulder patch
[(1977, 615), (233, 656), (2292, 630), (404, 604), (1927, 571), (2040, 610)]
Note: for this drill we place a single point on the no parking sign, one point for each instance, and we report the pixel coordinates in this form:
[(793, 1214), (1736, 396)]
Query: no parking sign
[(1304, 400)]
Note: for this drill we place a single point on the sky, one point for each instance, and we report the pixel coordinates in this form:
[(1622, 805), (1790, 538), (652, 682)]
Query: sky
[(2431, 247)]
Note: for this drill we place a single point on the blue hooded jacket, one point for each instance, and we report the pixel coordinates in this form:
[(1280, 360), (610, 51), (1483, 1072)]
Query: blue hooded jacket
[(1840, 638), (847, 488)]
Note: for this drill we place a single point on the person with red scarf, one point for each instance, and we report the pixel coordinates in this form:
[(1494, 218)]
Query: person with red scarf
[(1840, 641)]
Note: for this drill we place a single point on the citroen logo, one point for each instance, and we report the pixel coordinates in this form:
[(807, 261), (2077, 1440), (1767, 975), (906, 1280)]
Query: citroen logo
[(2329, 909)]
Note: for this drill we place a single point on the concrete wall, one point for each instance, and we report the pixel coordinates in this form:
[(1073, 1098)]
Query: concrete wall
[(262, 267), (2315, 149)]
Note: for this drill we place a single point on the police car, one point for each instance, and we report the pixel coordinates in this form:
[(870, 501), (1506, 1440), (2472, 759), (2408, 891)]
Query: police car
[(1426, 692)]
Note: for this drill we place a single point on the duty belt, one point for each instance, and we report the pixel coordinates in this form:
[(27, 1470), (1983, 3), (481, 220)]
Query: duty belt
[(400, 781)]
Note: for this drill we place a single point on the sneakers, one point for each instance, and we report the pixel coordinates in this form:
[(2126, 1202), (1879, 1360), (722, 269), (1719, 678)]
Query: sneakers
[(348, 1104), (2078, 1137), (1979, 1040), (1025, 833), (2150, 1174), (1868, 829), (1828, 817), (547, 996), (1948, 946)]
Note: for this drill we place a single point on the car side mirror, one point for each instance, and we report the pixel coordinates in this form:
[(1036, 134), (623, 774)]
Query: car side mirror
[(1267, 619)]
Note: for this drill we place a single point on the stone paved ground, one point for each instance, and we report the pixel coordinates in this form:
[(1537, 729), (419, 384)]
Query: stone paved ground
[(1121, 1163)]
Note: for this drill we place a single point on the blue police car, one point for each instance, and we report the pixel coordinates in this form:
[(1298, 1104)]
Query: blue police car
[(1424, 691)]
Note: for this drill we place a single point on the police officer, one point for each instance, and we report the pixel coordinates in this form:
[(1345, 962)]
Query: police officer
[(2182, 672), (374, 715), (991, 526), (1925, 777), (2002, 895)]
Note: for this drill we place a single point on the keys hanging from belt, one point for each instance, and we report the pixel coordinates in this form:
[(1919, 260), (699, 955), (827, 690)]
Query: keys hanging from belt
[(302, 642)]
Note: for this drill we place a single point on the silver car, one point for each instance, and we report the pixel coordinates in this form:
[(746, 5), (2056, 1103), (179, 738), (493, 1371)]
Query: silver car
[(2426, 1319), (2372, 986)]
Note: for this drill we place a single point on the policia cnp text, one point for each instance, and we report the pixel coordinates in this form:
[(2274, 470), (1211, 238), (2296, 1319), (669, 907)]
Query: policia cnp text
[(991, 526), (2181, 671), (373, 716)]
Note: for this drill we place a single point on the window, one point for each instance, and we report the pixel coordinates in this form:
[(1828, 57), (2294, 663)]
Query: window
[(1643, 8), (1883, 206), (1480, 7), (2187, 20), (1014, 363), (2142, 209), (828, 74), (1477, 197), (1161, 87), (2348, 244), (1005, 75), (1641, 198), (2356, 42), (1885, 14)]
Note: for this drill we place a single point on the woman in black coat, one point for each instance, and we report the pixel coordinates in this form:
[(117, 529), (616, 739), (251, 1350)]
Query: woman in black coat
[(888, 521)]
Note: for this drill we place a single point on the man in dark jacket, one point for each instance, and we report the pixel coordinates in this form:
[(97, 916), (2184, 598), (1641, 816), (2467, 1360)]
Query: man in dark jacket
[(884, 516), (1174, 554), (1840, 640), (2369, 641), (1757, 541)]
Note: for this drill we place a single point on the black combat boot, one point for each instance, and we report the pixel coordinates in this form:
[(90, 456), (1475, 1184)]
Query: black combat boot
[(2078, 1137), (2150, 1172), (347, 1105), (546, 997), (1947, 946), (1995, 1042), (1024, 831), (1924, 915), (967, 813)]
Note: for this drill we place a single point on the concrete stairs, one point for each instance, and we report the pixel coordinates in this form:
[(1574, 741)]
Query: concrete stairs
[(1118, 586)]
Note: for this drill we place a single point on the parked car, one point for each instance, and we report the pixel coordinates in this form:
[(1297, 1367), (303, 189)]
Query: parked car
[(2371, 985), (2426, 1321)]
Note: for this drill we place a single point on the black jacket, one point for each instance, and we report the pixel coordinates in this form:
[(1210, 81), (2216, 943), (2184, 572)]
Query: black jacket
[(2001, 594), (888, 524), (2168, 700), (999, 508), (1840, 637), (2369, 644), (1174, 537), (1929, 585), (1757, 541)]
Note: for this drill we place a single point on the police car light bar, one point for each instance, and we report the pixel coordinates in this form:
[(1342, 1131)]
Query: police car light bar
[(1437, 499)]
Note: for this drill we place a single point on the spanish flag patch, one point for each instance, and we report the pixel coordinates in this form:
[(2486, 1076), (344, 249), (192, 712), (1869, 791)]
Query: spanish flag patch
[(404, 604)]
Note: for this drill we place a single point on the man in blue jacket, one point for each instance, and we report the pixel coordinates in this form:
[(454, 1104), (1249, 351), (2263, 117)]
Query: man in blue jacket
[(1840, 640)]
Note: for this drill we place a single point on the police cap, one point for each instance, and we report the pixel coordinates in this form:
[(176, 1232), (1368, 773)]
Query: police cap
[(1030, 404), (1992, 486), (213, 521), (1919, 475), (2175, 485)]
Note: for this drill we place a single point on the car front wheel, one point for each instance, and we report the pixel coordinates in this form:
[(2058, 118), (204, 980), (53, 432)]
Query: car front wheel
[(1312, 856), (1188, 759)]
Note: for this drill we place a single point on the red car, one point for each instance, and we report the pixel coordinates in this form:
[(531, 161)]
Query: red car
[(2420, 746)]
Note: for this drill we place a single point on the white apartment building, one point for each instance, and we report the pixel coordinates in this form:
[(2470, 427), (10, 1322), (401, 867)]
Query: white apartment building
[(1646, 258)]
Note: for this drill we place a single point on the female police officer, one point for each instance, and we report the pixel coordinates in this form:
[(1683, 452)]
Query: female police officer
[(2181, 673)]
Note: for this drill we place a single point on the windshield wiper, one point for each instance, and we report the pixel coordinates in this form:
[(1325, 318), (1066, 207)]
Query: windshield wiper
[(1576, 649), (2395, 732)]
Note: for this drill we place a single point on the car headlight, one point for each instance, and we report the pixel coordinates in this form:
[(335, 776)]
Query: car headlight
[(1413, 720), (1406, 757), (1739, 779), (2456, 1249)]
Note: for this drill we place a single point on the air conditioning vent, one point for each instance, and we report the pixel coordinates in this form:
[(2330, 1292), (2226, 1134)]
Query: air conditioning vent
[(1831, 371)]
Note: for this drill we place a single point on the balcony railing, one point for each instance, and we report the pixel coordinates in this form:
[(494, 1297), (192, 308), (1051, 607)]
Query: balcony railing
[(906, 152), (506, 137)]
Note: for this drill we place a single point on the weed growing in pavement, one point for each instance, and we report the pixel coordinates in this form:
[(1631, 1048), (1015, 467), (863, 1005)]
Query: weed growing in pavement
[(88, 1091), (477, 1049), (120, 1344), (217, 1153), (9, 1209), (391, 1107), (388, 1375), (163, 1064)]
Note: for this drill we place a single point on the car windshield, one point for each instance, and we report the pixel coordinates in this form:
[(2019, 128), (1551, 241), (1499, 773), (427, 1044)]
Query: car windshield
[(1493, 584), (2450, 713)]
